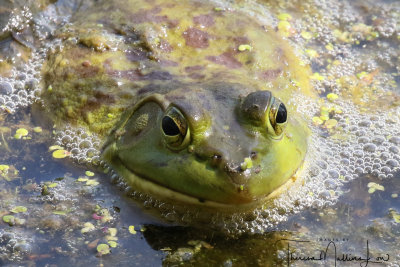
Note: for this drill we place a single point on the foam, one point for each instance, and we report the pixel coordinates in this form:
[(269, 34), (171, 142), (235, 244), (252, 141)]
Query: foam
[(361, 143)]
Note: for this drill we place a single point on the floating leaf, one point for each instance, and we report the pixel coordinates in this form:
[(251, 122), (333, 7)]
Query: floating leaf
[(82, 179), (52, 185), (4, 168), (37, 129), (317, 121), (9, 219), (21, 132), (330, 123), (55, 147), (92, 182), (103, 249), (112, 244), (60, 154), (374, 186), (89, 173), (18, 209), (88, 227), (112, 231), (132, 229), (306, 35)]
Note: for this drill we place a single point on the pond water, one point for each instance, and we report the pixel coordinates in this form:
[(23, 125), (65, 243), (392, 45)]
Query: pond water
[(58, 209)]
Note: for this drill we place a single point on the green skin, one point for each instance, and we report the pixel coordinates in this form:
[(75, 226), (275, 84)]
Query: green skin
[(122, 68)]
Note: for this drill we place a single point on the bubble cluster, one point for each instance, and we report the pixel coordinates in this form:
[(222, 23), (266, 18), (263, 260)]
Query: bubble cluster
[(83, 146), (14, 246)]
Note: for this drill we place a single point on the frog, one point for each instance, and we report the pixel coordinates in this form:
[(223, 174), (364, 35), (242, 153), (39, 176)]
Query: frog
[(190, 100)]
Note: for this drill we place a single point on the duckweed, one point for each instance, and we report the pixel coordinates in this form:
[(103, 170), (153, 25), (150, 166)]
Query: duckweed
[(112, 244), (37, 129), (132, 229), (18, 209), (330, 123), (103, 249), (89, 173), (374, 186), (9, 219), (21, 132), (247, 164), (60, 154), (87, 227), (306, 35)]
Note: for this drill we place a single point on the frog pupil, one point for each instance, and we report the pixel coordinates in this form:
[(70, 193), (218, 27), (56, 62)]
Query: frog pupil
[(281, 115), (169, 126)]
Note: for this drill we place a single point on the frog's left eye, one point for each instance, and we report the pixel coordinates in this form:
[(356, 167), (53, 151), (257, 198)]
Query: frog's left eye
[(278, 116), (175, 129)]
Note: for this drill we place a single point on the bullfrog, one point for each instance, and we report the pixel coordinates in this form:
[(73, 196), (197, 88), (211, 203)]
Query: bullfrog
[(190, 100)]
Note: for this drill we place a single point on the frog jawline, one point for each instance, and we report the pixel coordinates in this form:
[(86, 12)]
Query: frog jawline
[(162, 193)]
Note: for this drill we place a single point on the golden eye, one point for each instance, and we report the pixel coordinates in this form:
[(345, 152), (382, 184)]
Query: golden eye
[(278, 116), (175, 129)]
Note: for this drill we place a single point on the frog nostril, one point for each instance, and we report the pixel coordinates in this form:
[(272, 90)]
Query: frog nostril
[(216, 160)]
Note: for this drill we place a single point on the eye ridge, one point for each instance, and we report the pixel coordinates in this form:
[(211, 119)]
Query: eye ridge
[(169, 126)]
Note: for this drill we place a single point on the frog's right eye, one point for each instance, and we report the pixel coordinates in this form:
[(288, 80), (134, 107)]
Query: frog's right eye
[(278, 116), (175, 129)]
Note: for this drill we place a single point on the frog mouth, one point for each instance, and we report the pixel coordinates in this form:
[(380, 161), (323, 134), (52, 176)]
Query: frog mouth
[(143, 184)]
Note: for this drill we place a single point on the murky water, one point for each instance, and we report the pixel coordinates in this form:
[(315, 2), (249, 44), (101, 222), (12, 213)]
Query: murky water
[(58, 212)]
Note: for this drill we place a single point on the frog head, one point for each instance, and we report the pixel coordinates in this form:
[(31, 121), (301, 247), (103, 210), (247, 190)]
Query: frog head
[(212, 143)]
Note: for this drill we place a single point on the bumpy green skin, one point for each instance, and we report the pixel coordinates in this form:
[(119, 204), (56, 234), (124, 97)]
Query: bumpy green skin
[(126, 62)]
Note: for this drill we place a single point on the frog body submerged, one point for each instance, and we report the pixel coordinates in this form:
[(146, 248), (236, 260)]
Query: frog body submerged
[(189, 99)]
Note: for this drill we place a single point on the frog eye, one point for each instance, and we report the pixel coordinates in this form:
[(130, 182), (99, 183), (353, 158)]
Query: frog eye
[(278, 116), (175, 129)]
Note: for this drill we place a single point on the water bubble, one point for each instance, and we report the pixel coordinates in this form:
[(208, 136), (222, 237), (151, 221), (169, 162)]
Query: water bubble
[(392, 163), (395, 140), (5, 88), (369, 147)]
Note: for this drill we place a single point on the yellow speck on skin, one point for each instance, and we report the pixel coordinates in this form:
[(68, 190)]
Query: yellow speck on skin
[(244, 47)]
